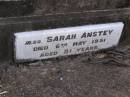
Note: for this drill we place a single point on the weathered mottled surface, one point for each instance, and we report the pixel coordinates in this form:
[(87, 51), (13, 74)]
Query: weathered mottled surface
[(10, 8), (52, 6), (98, 75), (16, 8)]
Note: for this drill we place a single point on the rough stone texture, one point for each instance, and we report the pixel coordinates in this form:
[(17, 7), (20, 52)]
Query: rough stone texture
[(9, 8), (52, 6), (16, 8), (101, 75)]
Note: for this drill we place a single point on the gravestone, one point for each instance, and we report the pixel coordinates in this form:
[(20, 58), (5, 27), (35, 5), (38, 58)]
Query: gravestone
[(34, 15)]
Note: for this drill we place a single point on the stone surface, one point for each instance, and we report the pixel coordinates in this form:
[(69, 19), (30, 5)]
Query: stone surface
[(53, 6), (13, 8), (9, 8), (77, 76), (45, 44)]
